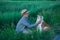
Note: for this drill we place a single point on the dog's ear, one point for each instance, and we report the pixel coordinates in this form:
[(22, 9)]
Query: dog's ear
[(42, 17), (38, 18)]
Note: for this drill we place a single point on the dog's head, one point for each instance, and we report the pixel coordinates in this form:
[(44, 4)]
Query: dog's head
[(39, 18)]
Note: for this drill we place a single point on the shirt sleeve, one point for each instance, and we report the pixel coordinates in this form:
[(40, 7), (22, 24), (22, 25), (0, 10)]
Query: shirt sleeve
[(28, 24)]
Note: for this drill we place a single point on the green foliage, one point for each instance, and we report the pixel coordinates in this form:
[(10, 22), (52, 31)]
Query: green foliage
[(10, 34), (10, 15), (18, 6), (29, 0)]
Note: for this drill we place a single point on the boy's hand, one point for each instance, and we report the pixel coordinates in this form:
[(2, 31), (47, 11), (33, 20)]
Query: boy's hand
[(38, 22)]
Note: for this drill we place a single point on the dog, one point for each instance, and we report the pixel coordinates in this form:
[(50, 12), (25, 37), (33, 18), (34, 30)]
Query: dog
[(43, 26)]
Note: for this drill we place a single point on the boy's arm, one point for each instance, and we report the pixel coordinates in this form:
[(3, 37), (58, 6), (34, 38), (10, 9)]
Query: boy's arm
[(28, 24)]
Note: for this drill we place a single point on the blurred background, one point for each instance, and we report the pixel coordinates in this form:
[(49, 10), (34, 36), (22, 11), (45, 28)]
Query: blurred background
[(10, 13)]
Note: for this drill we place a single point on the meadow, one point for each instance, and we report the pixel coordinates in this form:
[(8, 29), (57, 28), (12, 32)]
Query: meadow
[(10, 15)]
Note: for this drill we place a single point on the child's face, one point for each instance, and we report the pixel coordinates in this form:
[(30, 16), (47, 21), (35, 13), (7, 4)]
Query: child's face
[(26, 14)]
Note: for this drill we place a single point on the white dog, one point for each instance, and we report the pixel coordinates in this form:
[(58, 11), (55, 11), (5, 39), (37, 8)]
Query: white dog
[(42, 25)]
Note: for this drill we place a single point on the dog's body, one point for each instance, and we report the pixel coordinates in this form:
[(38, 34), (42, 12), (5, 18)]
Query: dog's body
[(43, 25)]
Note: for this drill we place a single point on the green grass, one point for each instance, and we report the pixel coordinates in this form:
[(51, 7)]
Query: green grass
[(10, 15), (10, 34)]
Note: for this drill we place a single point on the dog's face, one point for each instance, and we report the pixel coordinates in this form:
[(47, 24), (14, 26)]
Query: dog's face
[(39, 18)]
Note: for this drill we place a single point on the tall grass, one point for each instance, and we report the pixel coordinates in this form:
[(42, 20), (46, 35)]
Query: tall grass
[(10, 34), (8, 21)]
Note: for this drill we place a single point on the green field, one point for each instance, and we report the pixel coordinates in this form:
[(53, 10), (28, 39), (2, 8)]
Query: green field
[(10, 15)]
